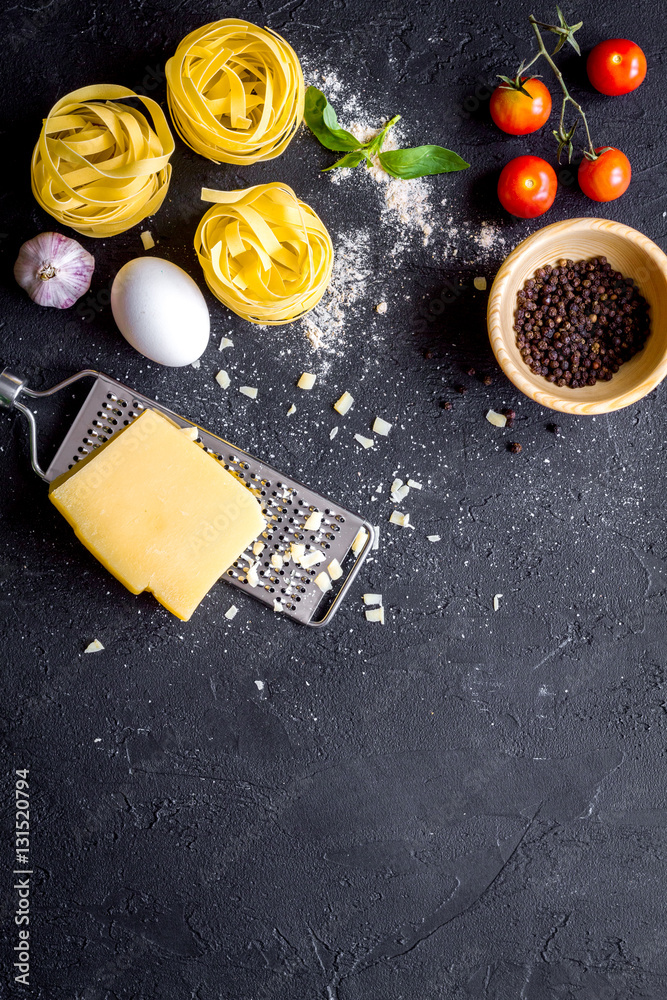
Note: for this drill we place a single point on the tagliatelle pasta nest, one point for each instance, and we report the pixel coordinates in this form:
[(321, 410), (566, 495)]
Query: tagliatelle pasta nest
[(99, 166), (235, 91), (266, 255)]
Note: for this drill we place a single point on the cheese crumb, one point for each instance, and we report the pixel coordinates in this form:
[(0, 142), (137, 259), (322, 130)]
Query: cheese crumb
[(323, 582), (496, 601), (376, 539), (258, 548), (375, 615), (480, 284), (497, 419), (400, 493), (335, 569), (396, 517), (277, 560), (277, 604), (314, 521), (223, 379), (307, 381), (248, 390), (332, 433), (251, 575), (94, 647), (311, 559), (297, 550), (381, 308), (434, 538), (343, 404), (231, 612), (372, 598), (413, 485), (381, 426), (364, 441), (225, 343), (291, 410), (360, 540), (396, 485), (196, 364), (147, 239)]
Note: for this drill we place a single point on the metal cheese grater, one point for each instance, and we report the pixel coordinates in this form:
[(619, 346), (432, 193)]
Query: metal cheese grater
[(286, 504)]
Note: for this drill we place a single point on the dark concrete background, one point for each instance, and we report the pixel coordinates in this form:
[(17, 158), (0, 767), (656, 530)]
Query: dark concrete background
[(463, 804)]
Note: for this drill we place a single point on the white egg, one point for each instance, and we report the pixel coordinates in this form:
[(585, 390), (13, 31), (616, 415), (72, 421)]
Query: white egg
[(160, 311)]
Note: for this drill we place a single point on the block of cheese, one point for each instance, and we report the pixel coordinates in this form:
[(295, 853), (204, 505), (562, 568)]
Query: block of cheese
[(159, 512)]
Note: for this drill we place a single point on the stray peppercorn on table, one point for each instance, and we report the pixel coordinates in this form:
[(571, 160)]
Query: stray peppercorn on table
[(159, 512)]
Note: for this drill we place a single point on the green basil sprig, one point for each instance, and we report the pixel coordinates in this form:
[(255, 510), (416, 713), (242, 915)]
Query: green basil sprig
[(420, 161)]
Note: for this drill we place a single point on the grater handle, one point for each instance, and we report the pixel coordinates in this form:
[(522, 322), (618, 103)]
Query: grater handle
[(11, 386)]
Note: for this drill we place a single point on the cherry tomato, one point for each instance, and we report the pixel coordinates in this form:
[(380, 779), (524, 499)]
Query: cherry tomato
[(607, 177), (517, 114), (527, 186), (616, 66)]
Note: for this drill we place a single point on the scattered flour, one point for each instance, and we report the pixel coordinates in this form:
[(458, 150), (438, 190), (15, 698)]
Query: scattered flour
[(406, 215)]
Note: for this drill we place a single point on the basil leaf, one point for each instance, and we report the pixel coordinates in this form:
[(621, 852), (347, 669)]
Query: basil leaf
[(322, 121), (352, 159), (421, 161), (375, 145)]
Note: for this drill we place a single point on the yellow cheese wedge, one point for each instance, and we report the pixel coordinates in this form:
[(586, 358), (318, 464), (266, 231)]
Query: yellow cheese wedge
[(159, 512)]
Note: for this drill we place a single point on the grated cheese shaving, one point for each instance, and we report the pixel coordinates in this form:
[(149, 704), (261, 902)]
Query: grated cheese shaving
[(396, 485), (231, 612), (335, 569), (344, 404), (433, 538), (147, 240), (323, 582), (277, 605), (364, 441), (277, 561), (413, 485), (291, 410), (381, 426), (400, 493), (223, 380), (332, 433), (312, 559), (372, 598), (307, 381), (375, 615), (381, 308), (497, 419), (314, 521), (496, 601), (225, 343), (359, 541), (376, 539), (248, 390), (251, 575), (297, 551), (258, 548), (94, 647)]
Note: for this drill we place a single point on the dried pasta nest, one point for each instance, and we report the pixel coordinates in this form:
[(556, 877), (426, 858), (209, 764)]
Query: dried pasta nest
[(99, 166), (235, 91), (264, 253)]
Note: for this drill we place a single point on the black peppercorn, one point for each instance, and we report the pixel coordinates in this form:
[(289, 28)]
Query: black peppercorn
[(557, 311)]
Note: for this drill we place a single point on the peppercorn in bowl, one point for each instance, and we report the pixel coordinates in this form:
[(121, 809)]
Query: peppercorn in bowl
[(577, 316)]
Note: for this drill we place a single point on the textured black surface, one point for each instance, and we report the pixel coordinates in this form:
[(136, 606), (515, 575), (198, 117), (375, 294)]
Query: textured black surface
[(462, 804)]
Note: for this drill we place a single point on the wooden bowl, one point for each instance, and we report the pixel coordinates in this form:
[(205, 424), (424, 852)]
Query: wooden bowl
[(629, 252)]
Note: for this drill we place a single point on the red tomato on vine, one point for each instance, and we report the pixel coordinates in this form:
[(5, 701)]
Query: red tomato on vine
[(527, 186), (616, 66), (517, 114), (607, 177)]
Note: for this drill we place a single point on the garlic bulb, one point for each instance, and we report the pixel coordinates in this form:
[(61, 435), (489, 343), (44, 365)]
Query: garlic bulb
[(54, 270)]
